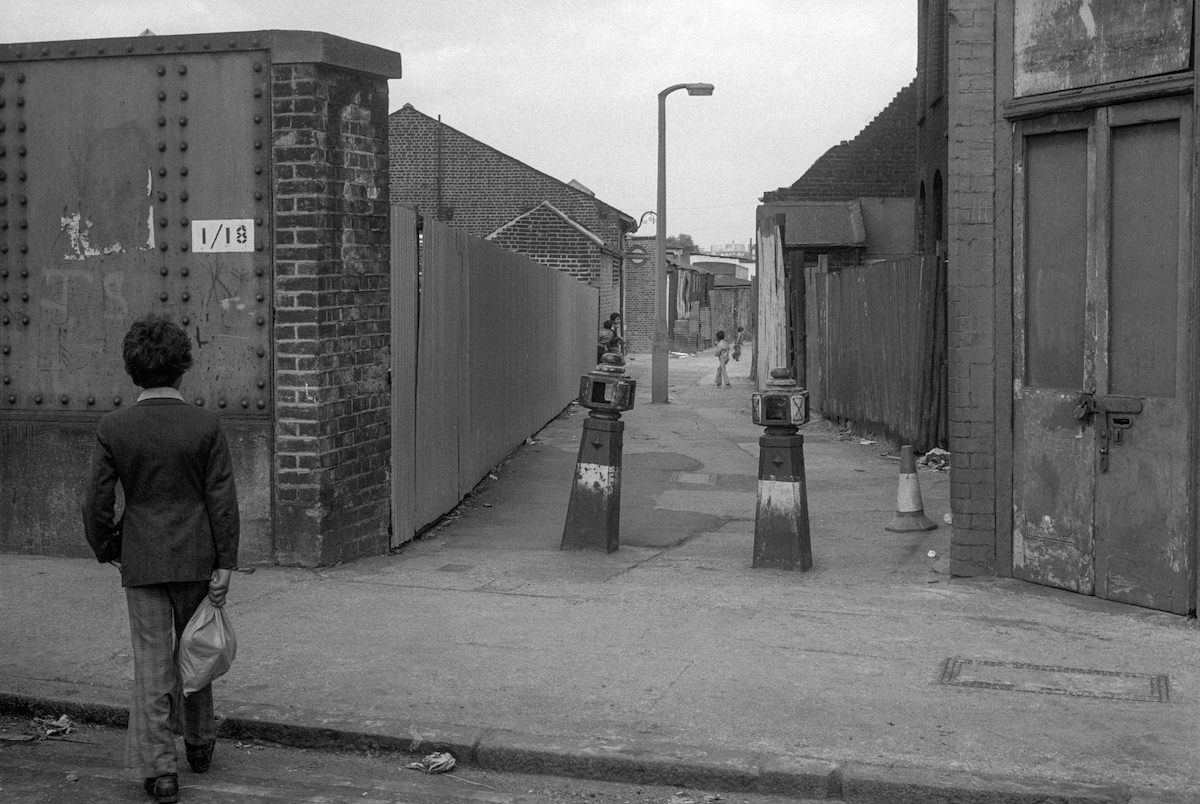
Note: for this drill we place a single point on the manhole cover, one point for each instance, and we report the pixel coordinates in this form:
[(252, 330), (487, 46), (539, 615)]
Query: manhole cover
[(1050, 680)]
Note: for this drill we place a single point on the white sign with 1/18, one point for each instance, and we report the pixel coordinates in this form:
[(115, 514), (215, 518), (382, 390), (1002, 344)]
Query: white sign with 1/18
[(228, 235)]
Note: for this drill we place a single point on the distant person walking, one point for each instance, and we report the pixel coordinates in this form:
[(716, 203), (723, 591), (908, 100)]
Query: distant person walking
[(738, 340), (722, 359), (176, 541)]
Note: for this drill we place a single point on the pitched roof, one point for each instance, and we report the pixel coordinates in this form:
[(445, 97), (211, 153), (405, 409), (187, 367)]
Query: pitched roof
[(586, 232)]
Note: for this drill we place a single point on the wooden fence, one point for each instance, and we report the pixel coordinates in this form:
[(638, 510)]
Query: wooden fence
[(488, 346), (876, 348)]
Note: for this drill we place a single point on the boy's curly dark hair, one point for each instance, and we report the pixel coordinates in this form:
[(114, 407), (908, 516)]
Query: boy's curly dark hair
[(157, 352)]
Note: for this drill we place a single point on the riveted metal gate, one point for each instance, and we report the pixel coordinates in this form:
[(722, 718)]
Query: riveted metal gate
[(130, 182), (138, 185)]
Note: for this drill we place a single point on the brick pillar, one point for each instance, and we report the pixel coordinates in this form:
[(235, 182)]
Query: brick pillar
[(972, 288), (332, 317), (639, 293)]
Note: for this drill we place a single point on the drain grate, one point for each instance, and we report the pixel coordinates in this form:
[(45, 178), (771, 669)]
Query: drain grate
[(1051, 680)]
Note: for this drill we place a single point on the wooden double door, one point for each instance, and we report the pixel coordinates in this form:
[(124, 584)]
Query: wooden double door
[(1103, 382)]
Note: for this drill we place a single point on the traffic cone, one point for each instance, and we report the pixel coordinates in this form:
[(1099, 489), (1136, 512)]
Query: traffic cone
[(910, 511)]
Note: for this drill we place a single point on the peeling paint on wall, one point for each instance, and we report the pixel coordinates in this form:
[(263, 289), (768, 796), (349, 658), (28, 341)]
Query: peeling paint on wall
[(76, 229), (1064, 44)]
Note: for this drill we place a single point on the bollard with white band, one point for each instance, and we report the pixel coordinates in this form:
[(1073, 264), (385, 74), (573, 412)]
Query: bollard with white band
[(594, 512), (781, 536)]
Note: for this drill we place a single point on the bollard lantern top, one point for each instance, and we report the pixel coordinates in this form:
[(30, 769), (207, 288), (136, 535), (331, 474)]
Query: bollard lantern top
[(607, 389), (781, 404)]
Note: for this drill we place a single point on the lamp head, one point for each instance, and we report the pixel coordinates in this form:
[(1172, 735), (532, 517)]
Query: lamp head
[(700, 89)]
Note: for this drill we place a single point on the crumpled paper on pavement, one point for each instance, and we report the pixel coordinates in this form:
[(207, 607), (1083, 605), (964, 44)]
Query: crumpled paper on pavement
[(55, 728), (437, 762), (937, 459)]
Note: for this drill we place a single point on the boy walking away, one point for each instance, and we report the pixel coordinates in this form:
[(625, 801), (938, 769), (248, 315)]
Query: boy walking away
[(738, 340), (723, 359), (176, 541)]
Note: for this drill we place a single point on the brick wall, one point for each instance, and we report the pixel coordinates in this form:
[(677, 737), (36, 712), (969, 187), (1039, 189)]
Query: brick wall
[(878, 163), (639, 298), (454, 178), (332, 319), (972, 286)]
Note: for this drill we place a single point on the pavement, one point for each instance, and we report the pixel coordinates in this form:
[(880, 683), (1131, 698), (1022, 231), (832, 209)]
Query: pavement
[(873, 677)]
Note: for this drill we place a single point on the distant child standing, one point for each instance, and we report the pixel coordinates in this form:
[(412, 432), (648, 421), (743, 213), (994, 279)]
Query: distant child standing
[(723, 359)]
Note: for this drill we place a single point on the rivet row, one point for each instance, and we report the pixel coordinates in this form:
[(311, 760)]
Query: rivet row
[(131, 47)]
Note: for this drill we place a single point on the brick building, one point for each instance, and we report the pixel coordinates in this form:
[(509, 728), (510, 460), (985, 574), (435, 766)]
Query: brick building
[(454, 178), (1071, 240)]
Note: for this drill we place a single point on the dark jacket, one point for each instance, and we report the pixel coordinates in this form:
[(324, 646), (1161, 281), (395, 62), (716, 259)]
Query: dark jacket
[(181, 513)]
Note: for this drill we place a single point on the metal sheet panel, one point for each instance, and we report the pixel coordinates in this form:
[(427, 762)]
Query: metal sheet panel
[(440, 392), (502, 343), (405, 256), (106, 164)]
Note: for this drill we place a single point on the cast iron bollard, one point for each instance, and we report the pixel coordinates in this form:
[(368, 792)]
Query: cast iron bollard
[(594, 513), (781, 538)]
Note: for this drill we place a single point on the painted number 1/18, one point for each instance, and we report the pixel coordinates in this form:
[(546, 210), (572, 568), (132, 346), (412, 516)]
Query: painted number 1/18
[(227, 235)]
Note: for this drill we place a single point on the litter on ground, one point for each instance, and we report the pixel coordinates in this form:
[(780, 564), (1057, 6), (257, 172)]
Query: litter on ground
[(937, 459), (55, 728), (437, 762)]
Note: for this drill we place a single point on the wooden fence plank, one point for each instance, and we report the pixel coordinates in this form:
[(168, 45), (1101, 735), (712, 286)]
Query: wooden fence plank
[(880, 360)]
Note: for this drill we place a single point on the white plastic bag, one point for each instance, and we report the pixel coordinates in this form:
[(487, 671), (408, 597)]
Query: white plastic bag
[(207, 647)]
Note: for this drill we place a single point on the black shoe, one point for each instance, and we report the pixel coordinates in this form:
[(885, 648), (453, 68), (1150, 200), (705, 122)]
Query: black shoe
[(165, 788), (199, 756)]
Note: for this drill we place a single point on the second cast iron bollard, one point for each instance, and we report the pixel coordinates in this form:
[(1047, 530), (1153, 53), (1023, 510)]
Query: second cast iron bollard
[(594, 512), (781, 537)]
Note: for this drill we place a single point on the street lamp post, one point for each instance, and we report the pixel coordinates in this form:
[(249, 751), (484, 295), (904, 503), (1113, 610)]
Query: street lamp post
[(658, 353)]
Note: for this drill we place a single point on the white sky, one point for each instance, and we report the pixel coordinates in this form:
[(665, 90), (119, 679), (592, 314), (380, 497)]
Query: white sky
[(570, 87)]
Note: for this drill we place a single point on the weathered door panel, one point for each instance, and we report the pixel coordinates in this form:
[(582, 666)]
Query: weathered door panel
[(1053, 483), (1143, 506), (1142, 541), (1103, 471), (1054, 487)]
